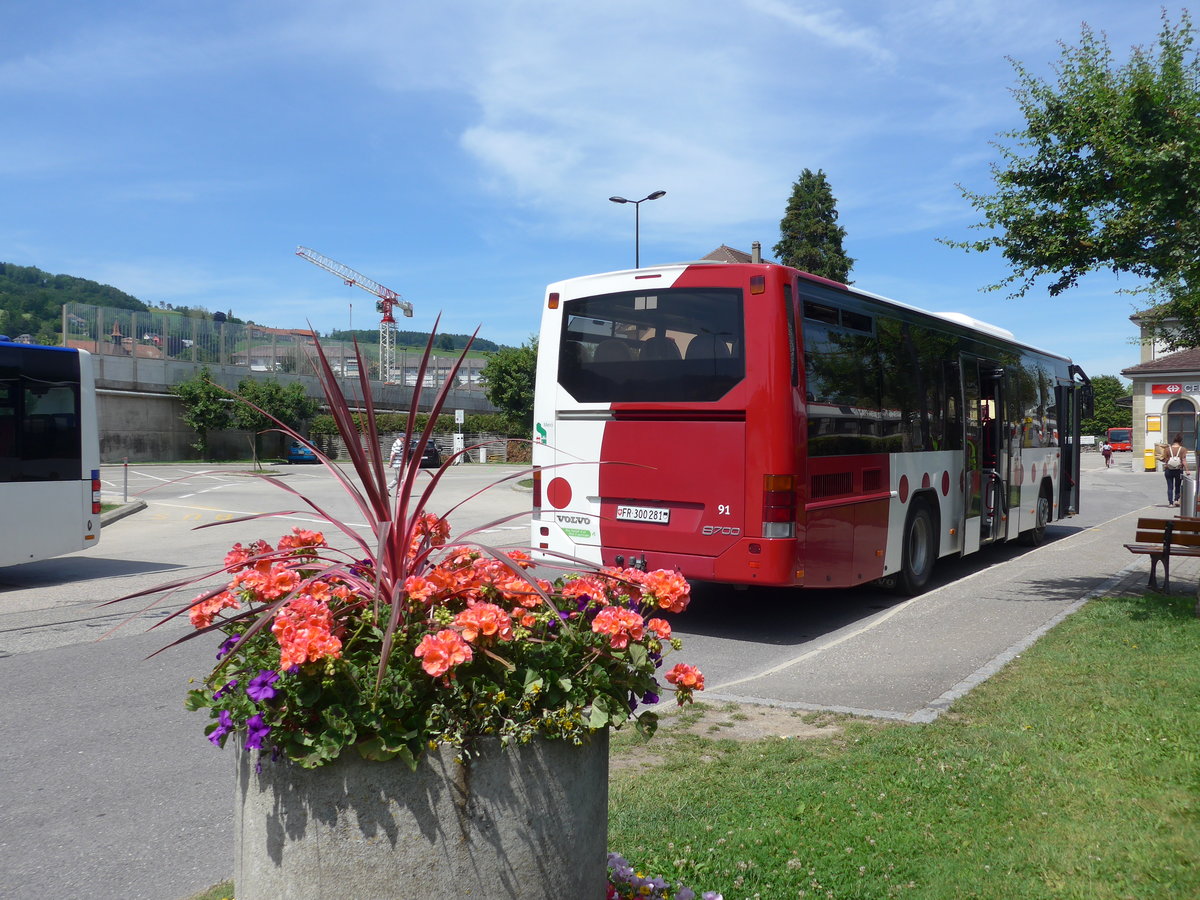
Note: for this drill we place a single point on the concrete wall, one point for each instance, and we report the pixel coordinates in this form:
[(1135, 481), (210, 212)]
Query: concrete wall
[(140, 419)]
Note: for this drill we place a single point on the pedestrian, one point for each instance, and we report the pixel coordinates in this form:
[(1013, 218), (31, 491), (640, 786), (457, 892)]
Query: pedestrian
[(395, 457), (1106, 452), (1174, 460)]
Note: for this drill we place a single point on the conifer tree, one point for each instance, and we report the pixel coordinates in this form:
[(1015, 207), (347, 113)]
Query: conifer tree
[(810, 238)]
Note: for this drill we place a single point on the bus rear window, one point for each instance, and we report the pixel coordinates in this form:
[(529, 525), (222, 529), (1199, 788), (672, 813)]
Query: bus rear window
[(668, 345), (39, 415)]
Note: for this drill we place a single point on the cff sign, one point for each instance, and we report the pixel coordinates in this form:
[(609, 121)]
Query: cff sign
[(1174, 388)]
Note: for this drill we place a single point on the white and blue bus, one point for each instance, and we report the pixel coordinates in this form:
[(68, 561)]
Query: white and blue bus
[(49, 452)]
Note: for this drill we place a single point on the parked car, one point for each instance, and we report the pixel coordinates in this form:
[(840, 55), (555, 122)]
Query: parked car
[(431, 458), (298, 453)]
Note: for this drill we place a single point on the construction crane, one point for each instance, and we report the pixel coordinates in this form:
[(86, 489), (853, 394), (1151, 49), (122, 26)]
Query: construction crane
[(388, 299)]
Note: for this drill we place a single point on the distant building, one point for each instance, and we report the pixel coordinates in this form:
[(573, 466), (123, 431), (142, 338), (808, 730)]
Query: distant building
[(1166, 393)]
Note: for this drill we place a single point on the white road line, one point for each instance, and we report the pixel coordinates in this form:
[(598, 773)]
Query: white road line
[(242, 512)]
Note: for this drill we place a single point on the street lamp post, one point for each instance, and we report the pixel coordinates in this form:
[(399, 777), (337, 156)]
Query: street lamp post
[(637, 222)]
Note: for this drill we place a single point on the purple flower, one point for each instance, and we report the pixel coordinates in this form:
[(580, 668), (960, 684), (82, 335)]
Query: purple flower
[(260, 687), (650, 698), (685, 893), (227, 646), (224, 726), (256, 730), (229, 686)]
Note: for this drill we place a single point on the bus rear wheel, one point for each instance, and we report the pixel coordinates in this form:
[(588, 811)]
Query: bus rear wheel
[(1041, 518), (920, 551)]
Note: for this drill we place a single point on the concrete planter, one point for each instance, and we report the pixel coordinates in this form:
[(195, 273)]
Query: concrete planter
[(528, 822)]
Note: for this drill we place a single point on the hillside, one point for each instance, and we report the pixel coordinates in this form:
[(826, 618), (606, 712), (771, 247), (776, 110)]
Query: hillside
[(31, 300), (31, 303)]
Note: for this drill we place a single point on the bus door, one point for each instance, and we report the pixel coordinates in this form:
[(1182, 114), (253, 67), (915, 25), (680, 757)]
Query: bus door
[(986, 453), (1074, 404)]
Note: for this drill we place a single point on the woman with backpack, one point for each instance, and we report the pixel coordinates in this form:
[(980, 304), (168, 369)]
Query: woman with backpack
[(1174, 462)]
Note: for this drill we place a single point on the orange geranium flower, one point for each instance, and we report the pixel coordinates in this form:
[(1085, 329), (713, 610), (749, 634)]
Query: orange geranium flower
[(271, 583), (661, 627), (202, 614), (441, 652), (300, 539), (620, 624), (303, 629), (420, 589), (236, 557), (669, 590), (486, 620), (686, 676), (590, 586)]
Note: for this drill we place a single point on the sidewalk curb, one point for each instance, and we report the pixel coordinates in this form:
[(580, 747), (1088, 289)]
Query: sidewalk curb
[(127, 509)]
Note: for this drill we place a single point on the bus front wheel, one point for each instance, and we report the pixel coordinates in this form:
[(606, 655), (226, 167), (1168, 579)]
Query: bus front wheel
[(920, 550)]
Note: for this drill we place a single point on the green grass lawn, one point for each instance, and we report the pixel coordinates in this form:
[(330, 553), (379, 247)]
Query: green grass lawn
[(1074, 773)]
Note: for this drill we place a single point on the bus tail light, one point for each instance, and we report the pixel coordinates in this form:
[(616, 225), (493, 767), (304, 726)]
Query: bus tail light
[(552, 300), (95, 492), (779, 506), (537, 489)]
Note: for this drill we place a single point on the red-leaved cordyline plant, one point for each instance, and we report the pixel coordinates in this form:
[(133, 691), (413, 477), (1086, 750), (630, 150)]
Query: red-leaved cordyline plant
[(405, 642)]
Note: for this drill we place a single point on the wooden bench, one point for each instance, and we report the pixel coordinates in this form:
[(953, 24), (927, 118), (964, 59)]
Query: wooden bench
[(1160, 539)]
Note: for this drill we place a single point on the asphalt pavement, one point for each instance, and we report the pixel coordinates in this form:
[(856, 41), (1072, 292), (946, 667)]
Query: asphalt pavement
[(112, 792), (910, 661)]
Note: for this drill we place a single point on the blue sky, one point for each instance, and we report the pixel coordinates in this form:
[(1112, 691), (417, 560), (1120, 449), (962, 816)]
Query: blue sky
[(463, 152)]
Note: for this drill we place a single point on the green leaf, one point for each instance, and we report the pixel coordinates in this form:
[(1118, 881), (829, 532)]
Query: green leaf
[(637, 655), (646, 724), (375, 748), (599, 716), (197, 700)]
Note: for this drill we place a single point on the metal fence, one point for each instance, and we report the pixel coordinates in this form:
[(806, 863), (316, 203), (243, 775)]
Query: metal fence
[(201, 339)]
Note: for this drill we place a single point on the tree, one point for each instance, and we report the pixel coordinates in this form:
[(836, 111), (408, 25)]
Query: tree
[(1106, 391), (509, 378), (810, 238), (287, 403), (1104, 175), (206, 407)]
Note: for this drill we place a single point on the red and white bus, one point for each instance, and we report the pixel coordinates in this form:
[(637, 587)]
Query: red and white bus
[(1120, 438), (752, 424)]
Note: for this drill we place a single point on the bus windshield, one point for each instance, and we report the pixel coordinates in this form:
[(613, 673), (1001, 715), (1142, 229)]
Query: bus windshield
[(669, 345)]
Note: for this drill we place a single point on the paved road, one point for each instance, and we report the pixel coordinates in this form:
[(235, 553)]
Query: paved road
[(111, 791)]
